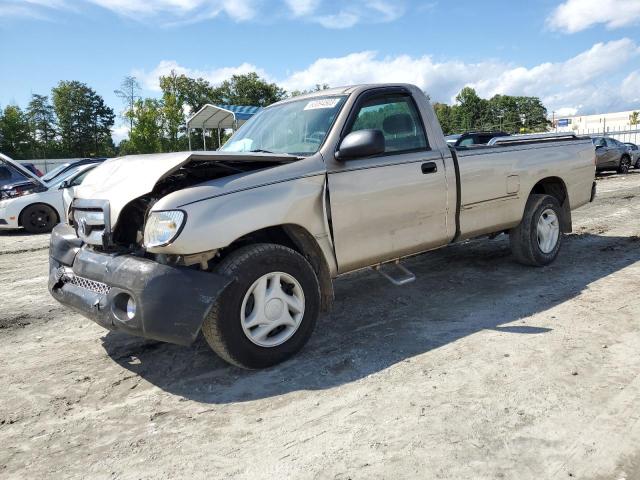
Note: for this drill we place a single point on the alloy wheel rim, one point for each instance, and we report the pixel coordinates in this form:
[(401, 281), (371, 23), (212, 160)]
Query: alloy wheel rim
[(272, 309), (548, 230)]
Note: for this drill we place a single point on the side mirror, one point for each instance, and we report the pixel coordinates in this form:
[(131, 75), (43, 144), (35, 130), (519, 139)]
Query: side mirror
[(64, 185), (599, 146), (362, 143)]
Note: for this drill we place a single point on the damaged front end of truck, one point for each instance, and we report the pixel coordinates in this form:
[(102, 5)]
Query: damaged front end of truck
[(102, 262)]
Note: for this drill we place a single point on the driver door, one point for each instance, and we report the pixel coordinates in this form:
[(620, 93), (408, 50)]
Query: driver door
[(393, 204)]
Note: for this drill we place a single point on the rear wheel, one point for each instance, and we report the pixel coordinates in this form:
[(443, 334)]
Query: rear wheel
[(269, 310), (39, 218), (536, 241), (625, 163)]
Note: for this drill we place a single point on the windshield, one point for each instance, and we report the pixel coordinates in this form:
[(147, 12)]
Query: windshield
[(55, 172), (295, 128), (9, 175)]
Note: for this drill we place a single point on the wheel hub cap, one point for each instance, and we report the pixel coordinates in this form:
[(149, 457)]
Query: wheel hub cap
[(548, 231), (272, 309)]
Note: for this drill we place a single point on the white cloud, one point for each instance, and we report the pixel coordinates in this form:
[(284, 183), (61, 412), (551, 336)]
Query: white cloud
[(581, 83), (300, 8), (150, 80), (119, 133), (327, 13), (176, 10), (576, 15)]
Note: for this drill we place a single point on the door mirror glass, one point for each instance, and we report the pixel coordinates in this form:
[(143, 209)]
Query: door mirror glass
[(360, 144)]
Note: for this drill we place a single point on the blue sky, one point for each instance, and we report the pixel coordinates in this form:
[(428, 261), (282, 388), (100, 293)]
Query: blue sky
[(577, 55)]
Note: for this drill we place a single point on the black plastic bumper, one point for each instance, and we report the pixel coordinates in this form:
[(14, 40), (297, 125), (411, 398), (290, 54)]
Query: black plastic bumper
[(170, 302)]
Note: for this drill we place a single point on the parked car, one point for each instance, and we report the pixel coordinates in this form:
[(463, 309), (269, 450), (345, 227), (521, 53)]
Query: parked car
[(32, 168), (38, 210), (472, 138), (243, 243), (611, 155), (634, 151), (65, 167)]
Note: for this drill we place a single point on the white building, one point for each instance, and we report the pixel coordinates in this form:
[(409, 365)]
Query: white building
[(618, 125)]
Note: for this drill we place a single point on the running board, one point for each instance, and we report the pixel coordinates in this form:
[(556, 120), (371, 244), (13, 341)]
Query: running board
[(395, 272)]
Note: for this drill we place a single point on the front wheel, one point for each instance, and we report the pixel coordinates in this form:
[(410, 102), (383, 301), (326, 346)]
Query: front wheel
[(269, 310), (39, 218), (536, 241)]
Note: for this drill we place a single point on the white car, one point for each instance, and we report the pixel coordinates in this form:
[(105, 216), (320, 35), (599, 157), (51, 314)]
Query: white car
[(26, 201)]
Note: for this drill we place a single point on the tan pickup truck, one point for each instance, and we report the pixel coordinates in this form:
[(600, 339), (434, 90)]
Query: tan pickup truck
[(243, 243)]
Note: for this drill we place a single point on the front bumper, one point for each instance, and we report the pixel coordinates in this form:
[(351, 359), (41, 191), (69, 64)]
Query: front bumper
[(171, 302)]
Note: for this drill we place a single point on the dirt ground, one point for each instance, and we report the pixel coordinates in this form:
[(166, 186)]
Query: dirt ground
[(481, 368)]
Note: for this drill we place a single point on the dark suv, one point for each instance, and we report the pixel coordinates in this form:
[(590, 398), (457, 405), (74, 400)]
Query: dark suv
[(611, 155)]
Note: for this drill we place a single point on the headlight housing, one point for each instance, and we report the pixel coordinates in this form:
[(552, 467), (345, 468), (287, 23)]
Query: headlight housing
[(163, 227)]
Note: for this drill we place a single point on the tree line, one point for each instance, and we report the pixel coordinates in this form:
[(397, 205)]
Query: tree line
[(74, 121), (511, 114)]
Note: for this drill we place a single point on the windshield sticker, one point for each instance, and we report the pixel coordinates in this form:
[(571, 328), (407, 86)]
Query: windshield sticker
[(322, 103)]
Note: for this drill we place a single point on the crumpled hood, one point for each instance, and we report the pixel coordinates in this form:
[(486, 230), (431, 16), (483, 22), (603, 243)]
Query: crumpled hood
[(123, 179)]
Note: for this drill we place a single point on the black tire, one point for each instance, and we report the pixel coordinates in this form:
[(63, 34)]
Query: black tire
[(625, 163), (222, 327), (524, 237), (637, 166), (39, 218)]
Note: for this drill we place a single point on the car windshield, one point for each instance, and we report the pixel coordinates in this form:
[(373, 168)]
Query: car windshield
[(10, 174), (294, 128), (452, 139), (55, 172)]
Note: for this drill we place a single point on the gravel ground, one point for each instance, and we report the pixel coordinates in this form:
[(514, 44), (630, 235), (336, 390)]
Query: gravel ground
[(481, 368)]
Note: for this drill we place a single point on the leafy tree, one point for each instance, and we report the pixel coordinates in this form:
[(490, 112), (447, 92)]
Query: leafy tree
[(147, 134), (248, 89), (84, 120), (129, 93), (318, 88), (634, 118), (42, 122), (15, 140), (512, 114)]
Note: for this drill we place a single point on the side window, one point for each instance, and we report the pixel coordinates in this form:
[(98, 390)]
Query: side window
[(466, 142), (79, 179), (610, 142), (398, 119)]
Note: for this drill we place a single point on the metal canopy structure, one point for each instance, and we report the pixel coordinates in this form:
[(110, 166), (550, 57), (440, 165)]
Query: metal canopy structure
[(219, 117)]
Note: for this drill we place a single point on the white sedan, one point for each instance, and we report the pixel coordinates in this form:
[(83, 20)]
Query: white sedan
[(35, 205)]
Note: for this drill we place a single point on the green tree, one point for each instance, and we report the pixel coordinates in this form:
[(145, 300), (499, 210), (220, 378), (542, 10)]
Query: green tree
[(42, 122), (634, 118), (471, 109), (173, 102), (84, 120), (15, 140), (147, 134), (248, 89)]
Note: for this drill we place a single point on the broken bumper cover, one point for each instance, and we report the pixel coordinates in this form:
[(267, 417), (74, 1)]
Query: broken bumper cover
[(170, 302)]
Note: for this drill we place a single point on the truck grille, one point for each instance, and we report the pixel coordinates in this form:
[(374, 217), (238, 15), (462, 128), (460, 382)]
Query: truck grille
[(67, 276), (90, 218)]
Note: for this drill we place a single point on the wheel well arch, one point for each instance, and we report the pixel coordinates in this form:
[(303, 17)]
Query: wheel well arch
[(556, 187), (38, 203), (300, 240)]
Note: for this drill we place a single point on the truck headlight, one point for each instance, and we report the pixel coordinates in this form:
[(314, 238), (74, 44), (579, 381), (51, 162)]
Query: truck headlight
[(163, 227)]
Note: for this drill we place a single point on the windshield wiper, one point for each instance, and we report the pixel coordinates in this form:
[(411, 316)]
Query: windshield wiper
[(259, 150)]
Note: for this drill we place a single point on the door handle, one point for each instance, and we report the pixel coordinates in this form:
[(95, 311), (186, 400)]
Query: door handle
[(429, 167)]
